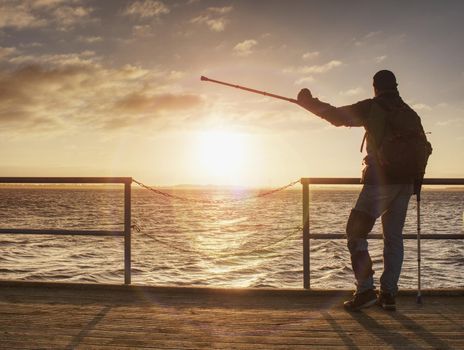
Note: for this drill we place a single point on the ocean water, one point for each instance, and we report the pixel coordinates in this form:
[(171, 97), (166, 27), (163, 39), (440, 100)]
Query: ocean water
[(241, 243)]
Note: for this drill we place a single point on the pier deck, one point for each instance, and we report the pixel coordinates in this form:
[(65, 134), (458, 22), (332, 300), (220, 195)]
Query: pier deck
[(66, 316)]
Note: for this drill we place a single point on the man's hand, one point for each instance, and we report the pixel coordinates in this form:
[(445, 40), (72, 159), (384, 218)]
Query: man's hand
[(304, 97)]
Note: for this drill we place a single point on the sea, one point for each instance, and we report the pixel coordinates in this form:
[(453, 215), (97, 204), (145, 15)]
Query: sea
[(217, 237)]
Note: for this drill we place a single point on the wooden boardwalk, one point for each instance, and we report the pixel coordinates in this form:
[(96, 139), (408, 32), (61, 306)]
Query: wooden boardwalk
[(64, 316)]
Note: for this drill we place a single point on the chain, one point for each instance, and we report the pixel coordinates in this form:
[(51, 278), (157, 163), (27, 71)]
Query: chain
[(137, 228), (221, 254), (214, 201)]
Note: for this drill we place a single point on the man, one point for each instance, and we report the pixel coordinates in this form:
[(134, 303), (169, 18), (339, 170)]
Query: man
[(384, 194)]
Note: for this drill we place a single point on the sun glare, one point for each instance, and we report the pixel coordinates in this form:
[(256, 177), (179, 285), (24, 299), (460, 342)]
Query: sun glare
[(221, 155)]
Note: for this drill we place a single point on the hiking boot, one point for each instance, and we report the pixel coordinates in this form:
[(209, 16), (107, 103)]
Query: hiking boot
[(386, 301), (361, 300)]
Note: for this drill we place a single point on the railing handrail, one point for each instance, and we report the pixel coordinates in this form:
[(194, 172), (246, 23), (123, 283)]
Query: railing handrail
[(59, 232), (357, 181), (126, 233), (307, 236), (66, 180)]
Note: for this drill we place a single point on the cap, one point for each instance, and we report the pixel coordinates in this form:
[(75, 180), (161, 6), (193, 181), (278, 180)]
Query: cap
[(384, 80)]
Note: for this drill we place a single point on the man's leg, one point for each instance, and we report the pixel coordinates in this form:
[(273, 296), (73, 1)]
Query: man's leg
[(392, 223), (358, 226)]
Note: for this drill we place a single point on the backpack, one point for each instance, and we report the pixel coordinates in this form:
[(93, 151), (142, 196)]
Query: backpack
[(401, 147)]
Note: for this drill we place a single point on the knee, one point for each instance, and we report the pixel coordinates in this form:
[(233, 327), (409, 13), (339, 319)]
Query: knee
[(359, 225)]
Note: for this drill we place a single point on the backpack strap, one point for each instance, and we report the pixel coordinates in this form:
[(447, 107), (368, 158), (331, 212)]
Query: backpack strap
[(363, 142)]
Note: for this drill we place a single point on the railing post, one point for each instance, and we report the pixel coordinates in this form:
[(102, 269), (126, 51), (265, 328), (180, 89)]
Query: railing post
[(306, 253), (127, 232)]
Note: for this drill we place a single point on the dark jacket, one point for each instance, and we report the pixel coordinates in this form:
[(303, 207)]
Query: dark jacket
[(369, 114)]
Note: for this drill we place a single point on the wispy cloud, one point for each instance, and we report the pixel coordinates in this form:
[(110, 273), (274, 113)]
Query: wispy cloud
[(245, 48), (353, 92), (19, 15), (366, 38), (61, 14), (6, 51), (30, 45), (310, 55), (146, 9), (214, 18), (67, 17), (47, 3), (142, 31), (449, 122), (84, 58), (421, 107), (380, 59), (304, 80), (90, 39), (320, 69)]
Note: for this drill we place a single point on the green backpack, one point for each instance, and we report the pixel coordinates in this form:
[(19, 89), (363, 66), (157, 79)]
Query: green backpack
[(400, 144)]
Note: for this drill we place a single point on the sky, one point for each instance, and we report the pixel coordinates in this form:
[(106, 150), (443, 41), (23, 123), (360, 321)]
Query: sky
[(112, 88)]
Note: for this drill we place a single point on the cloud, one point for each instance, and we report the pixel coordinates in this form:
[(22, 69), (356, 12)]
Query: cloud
[(30, 45), (214, 18), (310, 55), (220, 10), (366, 38), (142, 31), (380, 59), (304, 80), (19, 15), (67, 17), (6, 51), (84, 58), (142, 102), (69, 91), (146, 9), (448, 122), (421, 107), (90, 39), (320, 69), (245, 48), (31, 14), (372, 34), (46, 3), (353, 92)]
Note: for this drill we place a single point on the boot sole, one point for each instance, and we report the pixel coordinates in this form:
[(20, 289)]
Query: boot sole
[(388, 307), (363, 306)]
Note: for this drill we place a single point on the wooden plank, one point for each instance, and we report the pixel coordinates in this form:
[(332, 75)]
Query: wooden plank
[(73, 316)]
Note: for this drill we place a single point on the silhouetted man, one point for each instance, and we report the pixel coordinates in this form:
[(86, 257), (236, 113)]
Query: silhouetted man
[(383, 194)]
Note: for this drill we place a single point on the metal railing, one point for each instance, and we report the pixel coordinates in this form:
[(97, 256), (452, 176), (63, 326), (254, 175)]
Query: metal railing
[(307, 236), (126, 233)]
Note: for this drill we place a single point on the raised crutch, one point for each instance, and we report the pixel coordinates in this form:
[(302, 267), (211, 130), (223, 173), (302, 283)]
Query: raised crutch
[(203, 78)]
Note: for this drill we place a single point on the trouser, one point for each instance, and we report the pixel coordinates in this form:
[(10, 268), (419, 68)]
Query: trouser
[(391, 203)]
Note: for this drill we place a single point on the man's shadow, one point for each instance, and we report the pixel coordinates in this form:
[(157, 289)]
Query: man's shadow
[(391, 336)]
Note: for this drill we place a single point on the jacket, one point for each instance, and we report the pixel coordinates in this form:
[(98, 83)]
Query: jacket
[(369, 114)]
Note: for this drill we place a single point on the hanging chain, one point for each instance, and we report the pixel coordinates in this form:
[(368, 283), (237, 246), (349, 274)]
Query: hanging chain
[(291, 234), (214, 201), (294, 231)]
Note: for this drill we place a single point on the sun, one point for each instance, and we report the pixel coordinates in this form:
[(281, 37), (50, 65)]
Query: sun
[(221, 155)]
